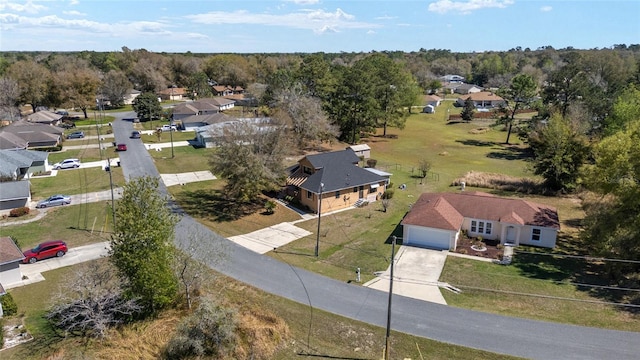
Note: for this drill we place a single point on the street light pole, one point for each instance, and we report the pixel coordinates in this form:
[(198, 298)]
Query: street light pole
[(113, 202), (319, 214), (171, 136), (393, 251)]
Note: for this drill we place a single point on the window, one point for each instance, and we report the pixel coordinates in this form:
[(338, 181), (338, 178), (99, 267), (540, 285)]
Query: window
[(535, 234), (307, 170), (309, 195), (481, 227), (355, 189), (337, 194)]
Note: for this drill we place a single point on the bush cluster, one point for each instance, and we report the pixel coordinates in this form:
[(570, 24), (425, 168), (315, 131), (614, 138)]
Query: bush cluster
[(17, 212), (9, 306)]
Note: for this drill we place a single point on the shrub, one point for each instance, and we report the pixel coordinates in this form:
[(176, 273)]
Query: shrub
[(388, 194), (9, 306), (17, 212), (1, 331), (210, 332), (372, 163)]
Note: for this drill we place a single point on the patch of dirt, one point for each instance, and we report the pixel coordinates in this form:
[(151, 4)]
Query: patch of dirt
[(14, 333), (492, 251)]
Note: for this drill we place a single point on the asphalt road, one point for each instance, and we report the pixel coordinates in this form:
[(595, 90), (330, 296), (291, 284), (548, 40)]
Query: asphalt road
[(500, 334)]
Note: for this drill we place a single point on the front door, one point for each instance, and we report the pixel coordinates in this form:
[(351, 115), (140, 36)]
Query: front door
[(361, 194), (511, 235)]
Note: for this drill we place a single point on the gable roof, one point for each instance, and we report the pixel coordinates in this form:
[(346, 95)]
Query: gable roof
[(209, 119), (447, 210), (9, 252), (173, 91), (335, 170), (10, 160), (15, 190), (218, 101), (482, 96), (194, 108), (44, 116), (12, 141)]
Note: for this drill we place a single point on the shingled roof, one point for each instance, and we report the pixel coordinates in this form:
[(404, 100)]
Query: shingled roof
[(336, 170), (447, 211), (9, 252)]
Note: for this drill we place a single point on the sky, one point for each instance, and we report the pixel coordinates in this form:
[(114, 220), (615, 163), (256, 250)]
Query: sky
[(288, 26)]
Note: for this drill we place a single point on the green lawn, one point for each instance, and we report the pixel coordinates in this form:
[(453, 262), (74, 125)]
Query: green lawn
[(78, 224), (186, 159), (75, 181)]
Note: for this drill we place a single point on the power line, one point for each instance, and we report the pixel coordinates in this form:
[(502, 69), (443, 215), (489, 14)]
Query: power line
[(579, 257)]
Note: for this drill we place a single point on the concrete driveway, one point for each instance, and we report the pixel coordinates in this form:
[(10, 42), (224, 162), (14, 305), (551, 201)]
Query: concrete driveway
[(415, 275), (265, 240), (32, 273)]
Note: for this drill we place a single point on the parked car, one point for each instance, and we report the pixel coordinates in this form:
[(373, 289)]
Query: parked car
[(168, 128), (121, 147), (54, 200), (136, 134), (45, 250), (76, 135), (62, 112), (67, 164)]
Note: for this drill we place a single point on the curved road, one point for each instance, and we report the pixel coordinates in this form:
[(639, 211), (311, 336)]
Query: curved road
[(500, 334)]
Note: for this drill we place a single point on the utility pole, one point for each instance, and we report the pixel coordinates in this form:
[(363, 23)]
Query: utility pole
[(171, 136), (393, 254), (113, 202), (319, 214)]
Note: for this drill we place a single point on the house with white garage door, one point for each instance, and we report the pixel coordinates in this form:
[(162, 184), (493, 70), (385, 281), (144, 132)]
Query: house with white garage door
[(436, 220)]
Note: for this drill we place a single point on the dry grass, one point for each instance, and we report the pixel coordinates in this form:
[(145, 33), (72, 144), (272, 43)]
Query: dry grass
[(501, 182)]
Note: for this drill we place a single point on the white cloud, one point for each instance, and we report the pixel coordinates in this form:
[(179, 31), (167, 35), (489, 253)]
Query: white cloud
[(370, 32), (546, 8), (319, 21), (466, 7), (74, 2), (74, 13), (29, 7), (386, 17), (304, 2)]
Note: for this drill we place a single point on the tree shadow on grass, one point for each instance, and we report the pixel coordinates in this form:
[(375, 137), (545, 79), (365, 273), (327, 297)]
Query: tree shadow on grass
[(211, 204), (474, 142), (511, 153), (590, 276)]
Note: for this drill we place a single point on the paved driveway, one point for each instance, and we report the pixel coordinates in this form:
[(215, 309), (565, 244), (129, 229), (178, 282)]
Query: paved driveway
[(33, 272), (415, 275), (264, 240)]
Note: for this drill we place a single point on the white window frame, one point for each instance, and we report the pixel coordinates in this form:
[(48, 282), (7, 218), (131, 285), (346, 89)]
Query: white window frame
[(481, 227), (536, 232)]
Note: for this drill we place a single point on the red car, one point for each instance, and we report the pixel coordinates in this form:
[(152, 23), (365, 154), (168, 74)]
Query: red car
[(45, 250), (121, 147)]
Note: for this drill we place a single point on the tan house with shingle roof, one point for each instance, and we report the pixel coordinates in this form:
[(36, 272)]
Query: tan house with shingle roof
[(436, 219), (482, 100)]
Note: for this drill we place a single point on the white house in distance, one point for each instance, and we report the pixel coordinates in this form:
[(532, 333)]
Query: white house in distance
[(436, 219)]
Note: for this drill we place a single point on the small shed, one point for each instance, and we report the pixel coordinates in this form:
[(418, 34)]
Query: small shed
[(429, 109), (363, 151), (10, 258)]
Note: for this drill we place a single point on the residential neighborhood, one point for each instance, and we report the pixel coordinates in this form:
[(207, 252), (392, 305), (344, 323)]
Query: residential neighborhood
[(324, 187)]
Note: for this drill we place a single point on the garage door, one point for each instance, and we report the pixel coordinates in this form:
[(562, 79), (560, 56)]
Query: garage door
[(427, 237)]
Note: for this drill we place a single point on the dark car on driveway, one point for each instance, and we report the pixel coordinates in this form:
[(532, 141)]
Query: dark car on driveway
[(136, 134), (55, 200), (48, 249), (76, 135)]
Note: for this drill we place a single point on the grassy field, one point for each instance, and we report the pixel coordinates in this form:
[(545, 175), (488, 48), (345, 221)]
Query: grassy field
[(185, 159)]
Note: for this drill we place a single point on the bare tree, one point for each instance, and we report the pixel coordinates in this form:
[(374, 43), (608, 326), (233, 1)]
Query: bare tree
[(9, 94), (92, 302), (189, 266)]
